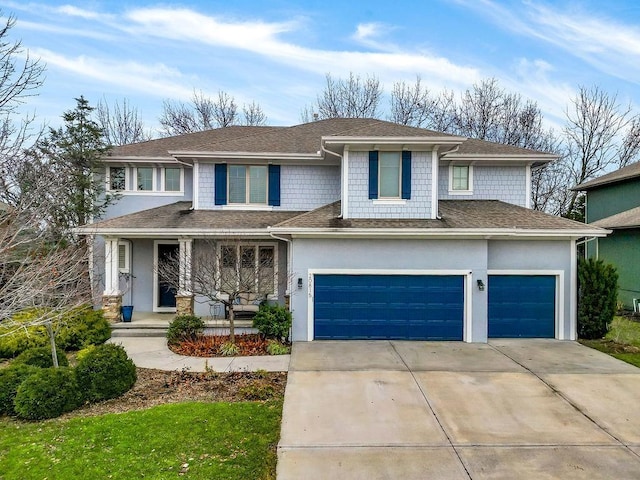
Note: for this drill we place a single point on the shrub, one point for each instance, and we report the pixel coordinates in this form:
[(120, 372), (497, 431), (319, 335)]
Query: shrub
[(276, 348), (273, 321), (84, 352), (229, 349), (83, 327), (184, 327), (47, 393), (597, 292), (10, 379), (79, 328), (41, 357), (105, 372)]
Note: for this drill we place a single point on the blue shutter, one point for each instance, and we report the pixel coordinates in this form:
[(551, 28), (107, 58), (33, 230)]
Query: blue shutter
[(373, 174), (406, 174), (274, 185), (220, 184)]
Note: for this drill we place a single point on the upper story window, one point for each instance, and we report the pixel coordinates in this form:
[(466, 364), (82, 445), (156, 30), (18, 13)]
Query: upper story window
[(390, 175), (248, 184), (460, 179), (145, 180), (247, 187)]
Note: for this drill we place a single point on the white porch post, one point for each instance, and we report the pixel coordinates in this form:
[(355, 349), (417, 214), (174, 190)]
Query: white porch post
[(111, 272), (184, 297), (112, 297)]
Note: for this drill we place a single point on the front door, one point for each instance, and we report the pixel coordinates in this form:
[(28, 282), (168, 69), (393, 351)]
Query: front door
[(166, 298)]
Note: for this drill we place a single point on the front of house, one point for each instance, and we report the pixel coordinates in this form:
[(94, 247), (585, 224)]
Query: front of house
[(369, 230)]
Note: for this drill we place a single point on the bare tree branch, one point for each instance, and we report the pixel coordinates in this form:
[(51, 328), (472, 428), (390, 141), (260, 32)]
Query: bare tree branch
[(122, 123)]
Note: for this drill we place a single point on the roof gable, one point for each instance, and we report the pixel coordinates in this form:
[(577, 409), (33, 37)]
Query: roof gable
[(625, 173)]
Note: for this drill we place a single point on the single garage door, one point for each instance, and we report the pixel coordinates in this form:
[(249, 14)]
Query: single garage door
[(522, 306), (410, 307)]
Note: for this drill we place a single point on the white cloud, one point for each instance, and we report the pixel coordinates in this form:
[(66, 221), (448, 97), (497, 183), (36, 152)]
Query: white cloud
[(136, 77), (73, 11)]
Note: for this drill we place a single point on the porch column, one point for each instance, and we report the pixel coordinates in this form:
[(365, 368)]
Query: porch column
[(111, 297), (184, 297)]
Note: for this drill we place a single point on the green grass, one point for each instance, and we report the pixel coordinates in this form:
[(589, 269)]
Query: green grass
[(217, 440), (622, 341)]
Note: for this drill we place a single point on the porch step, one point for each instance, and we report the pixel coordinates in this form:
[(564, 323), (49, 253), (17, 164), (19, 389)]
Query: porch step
[(138, 332), (159, 328)]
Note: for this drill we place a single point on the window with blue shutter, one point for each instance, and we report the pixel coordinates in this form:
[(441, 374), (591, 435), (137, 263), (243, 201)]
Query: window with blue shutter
[(220, 184), (274, 185), (406, 174), (373, 174)]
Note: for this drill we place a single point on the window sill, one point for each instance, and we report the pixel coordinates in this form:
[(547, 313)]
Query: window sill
[(247, 206), (389, 201), (460, 192)]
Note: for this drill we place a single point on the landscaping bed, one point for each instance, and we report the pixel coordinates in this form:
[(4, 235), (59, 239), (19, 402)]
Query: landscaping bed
[(622, 341), (210, 345)]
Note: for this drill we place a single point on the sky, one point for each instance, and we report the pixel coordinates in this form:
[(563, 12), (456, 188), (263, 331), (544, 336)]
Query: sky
[(277, 52)]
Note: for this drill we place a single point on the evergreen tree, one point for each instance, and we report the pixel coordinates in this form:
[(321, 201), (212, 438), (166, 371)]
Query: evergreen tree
[(597, 293)]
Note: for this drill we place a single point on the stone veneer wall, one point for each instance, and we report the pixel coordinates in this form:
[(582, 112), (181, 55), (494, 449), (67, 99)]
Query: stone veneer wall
[(111, 305)]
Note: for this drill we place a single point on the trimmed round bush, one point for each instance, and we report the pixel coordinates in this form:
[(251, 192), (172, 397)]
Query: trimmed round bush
[(41, 357), (82, 328), (184, 327), (10, 379), (105, 372), (273, 321), (48, 393)]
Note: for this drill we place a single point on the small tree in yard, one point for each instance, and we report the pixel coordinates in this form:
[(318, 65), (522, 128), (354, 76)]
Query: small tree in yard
[(597, 292), (227, 272)]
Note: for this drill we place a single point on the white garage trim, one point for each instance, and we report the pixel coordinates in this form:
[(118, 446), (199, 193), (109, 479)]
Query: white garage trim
[(466, 334), (559, 274)]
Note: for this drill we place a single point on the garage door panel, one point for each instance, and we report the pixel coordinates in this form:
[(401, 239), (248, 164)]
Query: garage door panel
[(522, 306), (389, 307)]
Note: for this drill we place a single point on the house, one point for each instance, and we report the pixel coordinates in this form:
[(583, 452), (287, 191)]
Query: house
[(613, 202), (374, 230)]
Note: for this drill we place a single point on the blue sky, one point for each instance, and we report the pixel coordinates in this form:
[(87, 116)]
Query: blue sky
[(277, 52)]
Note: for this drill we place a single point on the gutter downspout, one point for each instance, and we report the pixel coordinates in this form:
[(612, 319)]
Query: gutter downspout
[(342, 180), (584, 242), (289, 260)]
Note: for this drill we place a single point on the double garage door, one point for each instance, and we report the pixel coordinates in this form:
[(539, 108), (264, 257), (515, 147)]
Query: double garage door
[(428, 307)]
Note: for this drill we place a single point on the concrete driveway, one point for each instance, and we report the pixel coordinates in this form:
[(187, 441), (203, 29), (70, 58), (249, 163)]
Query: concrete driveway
[(526, 409)]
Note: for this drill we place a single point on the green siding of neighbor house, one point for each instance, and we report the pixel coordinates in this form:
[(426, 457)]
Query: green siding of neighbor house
[(608, 200), (622, 249)]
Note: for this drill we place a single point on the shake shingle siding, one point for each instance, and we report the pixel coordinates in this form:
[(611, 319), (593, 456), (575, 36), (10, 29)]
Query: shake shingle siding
[(505, 183)]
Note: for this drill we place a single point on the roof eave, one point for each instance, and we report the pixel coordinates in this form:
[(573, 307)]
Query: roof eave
[(537, 158), (487, 233), (245, 155)]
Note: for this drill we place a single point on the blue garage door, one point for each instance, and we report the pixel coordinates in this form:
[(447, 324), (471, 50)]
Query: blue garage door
[(522, 306), (410, 307)]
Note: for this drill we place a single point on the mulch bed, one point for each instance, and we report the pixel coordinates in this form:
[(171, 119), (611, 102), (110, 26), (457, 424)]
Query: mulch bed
[(157, 387), (209, 345)]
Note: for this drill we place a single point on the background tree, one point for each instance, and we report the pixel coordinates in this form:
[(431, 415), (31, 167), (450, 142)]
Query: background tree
[(355, 97), (205, 113), (121, 124), (227, 272)]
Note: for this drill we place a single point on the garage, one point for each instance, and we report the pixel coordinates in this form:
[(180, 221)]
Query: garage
[(522, 306), (404, 307)]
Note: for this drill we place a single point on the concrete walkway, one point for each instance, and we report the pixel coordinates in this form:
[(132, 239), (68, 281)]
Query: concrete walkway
[(525, 409), (152, 352)]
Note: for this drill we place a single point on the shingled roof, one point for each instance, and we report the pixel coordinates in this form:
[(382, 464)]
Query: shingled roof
[(625, 173), (301, 139), (627, 219), (457, 215)]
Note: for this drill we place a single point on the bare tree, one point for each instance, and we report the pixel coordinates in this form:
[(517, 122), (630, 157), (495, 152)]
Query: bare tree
[(121, 124), (227, 271), (355, 97), (253, 115), (204, 113), (599, 135)]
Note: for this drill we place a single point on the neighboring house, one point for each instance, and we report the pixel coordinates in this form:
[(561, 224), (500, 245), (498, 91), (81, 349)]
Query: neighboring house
[(613, 202), (375, 230)]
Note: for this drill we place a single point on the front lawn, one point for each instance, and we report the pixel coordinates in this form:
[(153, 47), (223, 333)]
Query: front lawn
[(194, 440), (622, 341)]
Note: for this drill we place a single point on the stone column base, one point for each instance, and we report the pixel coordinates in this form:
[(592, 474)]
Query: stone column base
[(111, 307), (184, 304)]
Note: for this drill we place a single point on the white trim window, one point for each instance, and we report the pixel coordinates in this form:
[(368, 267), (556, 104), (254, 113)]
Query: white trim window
[(172, 179), (249, 268), (460, 179), (117, 179), (124, 257), (389, 175), (145, 179), (248, 184)]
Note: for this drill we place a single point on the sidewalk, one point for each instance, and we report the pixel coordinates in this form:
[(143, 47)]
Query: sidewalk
[(152, 352)]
